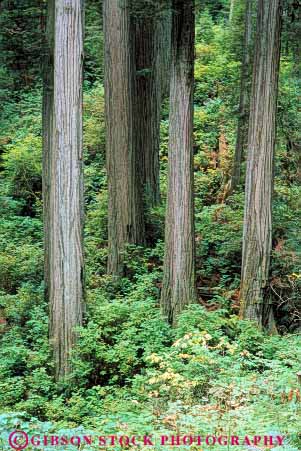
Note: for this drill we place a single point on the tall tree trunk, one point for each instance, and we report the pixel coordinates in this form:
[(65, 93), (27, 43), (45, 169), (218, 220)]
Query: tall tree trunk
[(147, 106), (163, 46), (257, 236), (244, 104), (178, 287), (152, 48), (125, 190), (47, 122), (63, 177)]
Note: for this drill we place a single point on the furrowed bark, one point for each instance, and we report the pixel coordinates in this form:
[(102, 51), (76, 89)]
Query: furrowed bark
[(163, 46), (125, 184), (244, 102), (147, 107), (48, 74), (178, 288), (257, 236), (152, 30), (63, 178)]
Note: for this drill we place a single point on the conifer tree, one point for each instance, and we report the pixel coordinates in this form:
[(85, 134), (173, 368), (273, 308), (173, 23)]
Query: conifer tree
[(178, 287), (257, 236), (125, 182), (63, 176)]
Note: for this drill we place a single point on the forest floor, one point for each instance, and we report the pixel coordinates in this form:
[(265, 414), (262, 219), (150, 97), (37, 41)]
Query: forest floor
[(132, 373)]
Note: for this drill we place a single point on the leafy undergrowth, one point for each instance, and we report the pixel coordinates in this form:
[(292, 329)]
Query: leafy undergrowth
[(132, 373)]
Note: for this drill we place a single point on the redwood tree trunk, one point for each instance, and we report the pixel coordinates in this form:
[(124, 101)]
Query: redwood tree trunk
[(48, 74), (147, 107), (163, 46), (63, 177), (152, 30), (243, 119), (125, 183), (178, 287), (257, 236)]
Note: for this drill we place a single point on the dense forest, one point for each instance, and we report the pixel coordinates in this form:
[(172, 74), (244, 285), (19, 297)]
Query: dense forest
[(150, 210)]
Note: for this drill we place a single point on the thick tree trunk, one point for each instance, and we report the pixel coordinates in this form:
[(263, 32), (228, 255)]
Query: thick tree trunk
[(257, 236), (244, 102), (178, 287), (125, 184), (63, 177)]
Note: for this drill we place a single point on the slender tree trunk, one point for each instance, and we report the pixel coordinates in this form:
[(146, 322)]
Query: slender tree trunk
[(48, 74), (231, 12), (147, 107), (257, 236), (244, 102), (178, 287), (63, 177), (152, 48), (297, 148), (125, 184), (163, 46)]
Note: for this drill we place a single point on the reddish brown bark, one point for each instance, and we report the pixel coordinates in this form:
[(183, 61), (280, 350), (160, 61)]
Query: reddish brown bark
[(125, 184), (178, 288), (244, 102), (257, 236), (63, 177)]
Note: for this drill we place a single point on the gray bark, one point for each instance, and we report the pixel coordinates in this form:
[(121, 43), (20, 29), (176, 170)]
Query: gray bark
[(48, 74), (147, 108), (125, 184), (152, 28), (244, 104), (63, 177), (257, 235), (178, 287), (163, 46)]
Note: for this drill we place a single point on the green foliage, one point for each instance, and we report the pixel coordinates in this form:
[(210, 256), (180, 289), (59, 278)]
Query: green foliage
[(23, 168), (21, 43), (94, 122), (19, 265), (93, 44), (118, 335), (218, 9), (24, 352), (132, 372)]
